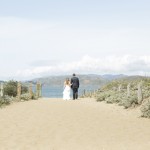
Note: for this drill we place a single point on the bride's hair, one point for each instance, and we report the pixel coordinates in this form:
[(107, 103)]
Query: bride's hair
[(67, 81)]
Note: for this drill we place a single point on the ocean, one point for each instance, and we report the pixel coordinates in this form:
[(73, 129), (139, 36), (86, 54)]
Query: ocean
[(57, 91)]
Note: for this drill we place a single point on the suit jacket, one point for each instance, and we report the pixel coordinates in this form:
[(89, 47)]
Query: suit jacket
[(75, 82)]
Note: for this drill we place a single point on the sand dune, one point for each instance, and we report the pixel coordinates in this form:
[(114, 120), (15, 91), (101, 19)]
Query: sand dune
[(54, 124)]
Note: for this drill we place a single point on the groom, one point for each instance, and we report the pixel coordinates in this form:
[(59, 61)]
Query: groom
[(75, 86)]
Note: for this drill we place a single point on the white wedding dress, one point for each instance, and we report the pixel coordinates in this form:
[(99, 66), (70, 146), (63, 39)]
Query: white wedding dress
[(66, 92)]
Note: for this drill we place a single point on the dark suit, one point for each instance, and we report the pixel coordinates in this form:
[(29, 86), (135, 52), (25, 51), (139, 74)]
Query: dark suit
[(75, 86)]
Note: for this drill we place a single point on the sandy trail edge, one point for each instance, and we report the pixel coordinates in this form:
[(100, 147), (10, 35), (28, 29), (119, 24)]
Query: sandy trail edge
[(54, 124)]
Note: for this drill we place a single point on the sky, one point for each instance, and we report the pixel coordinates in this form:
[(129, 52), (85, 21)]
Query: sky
[(45, 37)]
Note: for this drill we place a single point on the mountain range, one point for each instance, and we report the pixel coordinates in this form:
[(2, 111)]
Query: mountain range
[(87, 79)]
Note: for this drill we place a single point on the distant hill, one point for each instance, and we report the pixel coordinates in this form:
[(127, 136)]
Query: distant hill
[(112, 77), (59, 80), (131, 78), (1, 81), (85, 79), (88, 79)]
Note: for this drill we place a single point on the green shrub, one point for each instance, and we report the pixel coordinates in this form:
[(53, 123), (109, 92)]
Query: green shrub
[(146, 94), (10, 88), (24, 89), (34, 97), (25, 96), (145, 109), (113, 99), (130, 101), (5, 100), (110, 93), (101, 98), (109, 100)]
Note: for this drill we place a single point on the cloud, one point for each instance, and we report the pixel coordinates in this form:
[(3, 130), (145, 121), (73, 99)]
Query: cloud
[(42, 42), (111, 64), (44, 63)]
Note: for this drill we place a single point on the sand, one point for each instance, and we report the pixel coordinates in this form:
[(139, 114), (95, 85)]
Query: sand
[(55, 124)]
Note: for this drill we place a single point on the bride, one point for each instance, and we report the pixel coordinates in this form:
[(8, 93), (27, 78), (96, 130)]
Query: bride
[(66, 92)]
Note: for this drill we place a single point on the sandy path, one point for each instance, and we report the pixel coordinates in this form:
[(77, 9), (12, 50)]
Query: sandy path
[(54, 124)]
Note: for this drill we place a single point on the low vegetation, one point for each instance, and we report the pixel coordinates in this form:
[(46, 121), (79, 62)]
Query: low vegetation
[(145, 109), (6, 100), (26, 97), (10, 93), (129, 92)]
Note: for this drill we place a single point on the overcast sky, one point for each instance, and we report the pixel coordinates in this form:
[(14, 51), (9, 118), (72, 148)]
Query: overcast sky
[(46, 37)]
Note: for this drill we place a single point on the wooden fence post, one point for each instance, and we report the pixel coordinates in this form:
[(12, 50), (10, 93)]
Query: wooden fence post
[(120, 88), (84, 92), (139, 94), (38, 89), (128, 90), (19, 91), (30, 91), (2, 90)]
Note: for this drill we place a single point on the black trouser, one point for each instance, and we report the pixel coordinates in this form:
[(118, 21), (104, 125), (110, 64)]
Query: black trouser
[(75, 93)]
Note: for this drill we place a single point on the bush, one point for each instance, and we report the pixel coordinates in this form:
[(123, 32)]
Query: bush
[(5, 100), (25, 96), (129, 101), (34, 97), (24, 89), (102, 96), (145, 109), (146, 94), (10, 88), (109, 100), (115, 98), (110, 94)]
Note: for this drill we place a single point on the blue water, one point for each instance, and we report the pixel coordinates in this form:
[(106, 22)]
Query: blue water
[(57, 91)]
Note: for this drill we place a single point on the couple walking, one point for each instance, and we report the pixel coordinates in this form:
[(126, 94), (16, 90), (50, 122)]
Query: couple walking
[(68, 85)]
